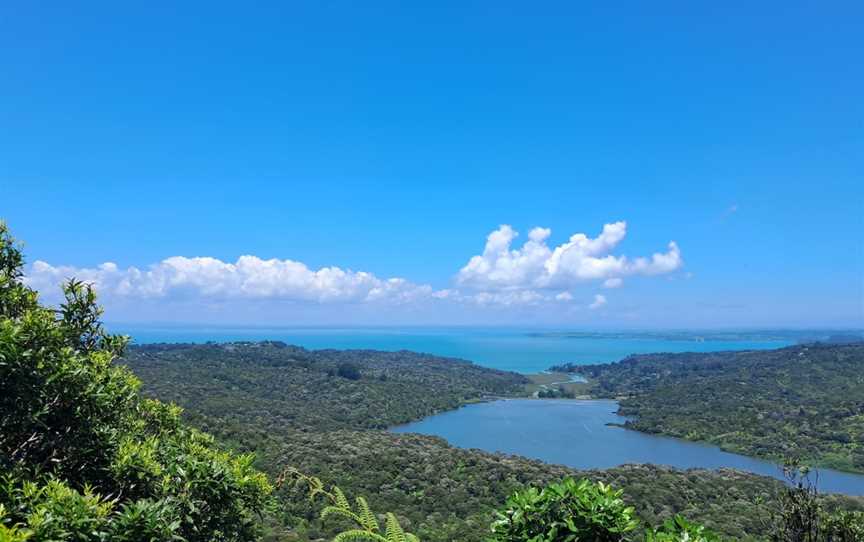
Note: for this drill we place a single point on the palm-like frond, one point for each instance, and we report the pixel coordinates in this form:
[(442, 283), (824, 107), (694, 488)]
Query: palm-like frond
[(394, 532), (358, 535), (342, 512), (367, 518), (339, 505), (339, 499), (316, 487)]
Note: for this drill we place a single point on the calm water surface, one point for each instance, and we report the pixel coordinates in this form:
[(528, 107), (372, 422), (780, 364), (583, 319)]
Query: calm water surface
[(574, 433), (507, 349)]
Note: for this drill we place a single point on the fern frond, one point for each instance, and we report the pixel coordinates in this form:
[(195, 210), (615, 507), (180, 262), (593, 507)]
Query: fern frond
[(394, 532), (367, 518), (339, 511), (364, 518), (340, 499), (315, 483), (357, 535), (316, 487)]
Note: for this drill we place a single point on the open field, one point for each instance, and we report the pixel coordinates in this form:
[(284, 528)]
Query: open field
[(561, 384)]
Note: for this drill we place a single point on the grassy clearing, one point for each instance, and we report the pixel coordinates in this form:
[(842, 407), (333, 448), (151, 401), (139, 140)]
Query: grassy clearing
[(556, 381)]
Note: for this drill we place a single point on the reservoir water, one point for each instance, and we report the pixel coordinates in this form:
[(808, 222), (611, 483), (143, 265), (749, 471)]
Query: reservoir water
[(576, 434)]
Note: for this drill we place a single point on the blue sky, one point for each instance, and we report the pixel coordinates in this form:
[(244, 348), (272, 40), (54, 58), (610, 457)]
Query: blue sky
[(391, 140)]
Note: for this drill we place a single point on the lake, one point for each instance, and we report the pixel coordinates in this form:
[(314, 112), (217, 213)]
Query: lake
[(576, 434), (520, 350)]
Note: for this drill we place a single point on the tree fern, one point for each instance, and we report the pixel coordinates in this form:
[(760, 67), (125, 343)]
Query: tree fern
[(367, 527), (367, 518), (394, 531), (340, 500), (358, 535), (328, 511)]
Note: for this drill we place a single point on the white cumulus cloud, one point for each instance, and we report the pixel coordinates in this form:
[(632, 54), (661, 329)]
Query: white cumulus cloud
[(535, 265), (249, 277)]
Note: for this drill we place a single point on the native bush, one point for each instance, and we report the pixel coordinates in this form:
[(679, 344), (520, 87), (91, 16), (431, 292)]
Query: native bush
[(843, 526), (82, 455), (678, 529), (565, 511), (801, 515)]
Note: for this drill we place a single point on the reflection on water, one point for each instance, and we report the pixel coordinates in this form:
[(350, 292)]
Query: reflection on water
[(575, 433)]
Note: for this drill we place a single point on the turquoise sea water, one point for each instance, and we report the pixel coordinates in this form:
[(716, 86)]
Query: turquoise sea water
[(521, 350), (576, 434)]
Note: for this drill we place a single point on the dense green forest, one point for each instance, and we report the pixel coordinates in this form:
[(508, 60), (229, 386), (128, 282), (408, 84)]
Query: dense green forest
[(316, 389), (292, 407), (805, 401)]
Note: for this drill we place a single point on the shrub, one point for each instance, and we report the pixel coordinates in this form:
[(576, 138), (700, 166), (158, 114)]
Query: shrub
[(802, 515), (844, 527), (567, 511), (83, 455), (678, 529)]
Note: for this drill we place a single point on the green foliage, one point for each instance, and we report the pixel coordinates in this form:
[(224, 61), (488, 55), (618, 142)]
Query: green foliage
[(555, 393), (320, 390), (83, 455), (843, 526), (349, 371), (364, 525), (804, 401), (15, 298), (678, 529), (802, 516), (566, 511)]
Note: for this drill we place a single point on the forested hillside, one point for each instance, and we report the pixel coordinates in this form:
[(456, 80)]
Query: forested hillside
[(318, 389), (805, 401), (292, 407)]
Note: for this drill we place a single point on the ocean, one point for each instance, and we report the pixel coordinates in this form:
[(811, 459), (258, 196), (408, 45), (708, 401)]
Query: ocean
[(511, 349)]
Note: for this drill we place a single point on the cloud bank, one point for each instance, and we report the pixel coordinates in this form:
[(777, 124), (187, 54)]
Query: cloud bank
[(530, 275), (249, 277)]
